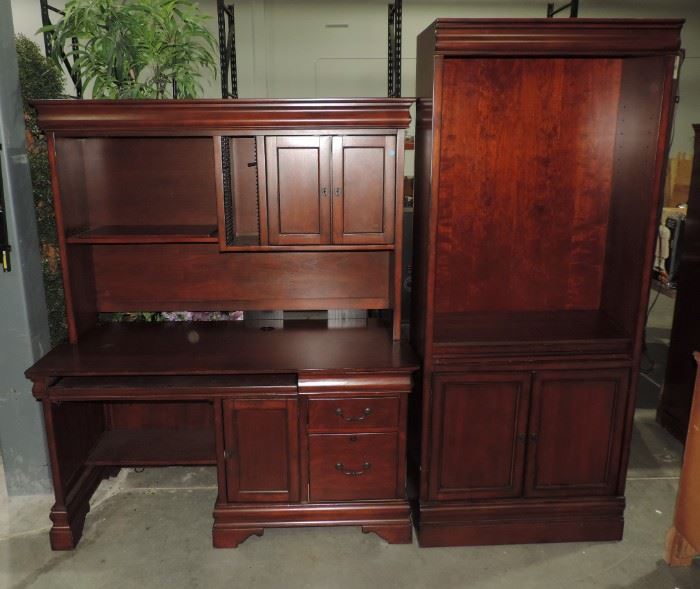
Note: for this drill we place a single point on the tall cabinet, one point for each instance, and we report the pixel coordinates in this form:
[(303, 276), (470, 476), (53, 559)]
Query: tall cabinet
[(676, 400), (540, 150)]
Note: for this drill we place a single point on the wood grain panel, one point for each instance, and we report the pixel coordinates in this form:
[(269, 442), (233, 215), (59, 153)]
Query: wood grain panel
[(205, 348), (352, 466), (576, 432), (160, 415), (262, 460), (479, 425), (207, 117), (76, 429), (76, 265), (198, 276), (298, 195), (354, 414), (363, 189), (555, 36), (525, 193), (154, 447), (363, 197), (636, 193), (148, 181)]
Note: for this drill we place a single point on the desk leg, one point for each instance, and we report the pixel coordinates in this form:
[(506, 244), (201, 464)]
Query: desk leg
[(72, 429)]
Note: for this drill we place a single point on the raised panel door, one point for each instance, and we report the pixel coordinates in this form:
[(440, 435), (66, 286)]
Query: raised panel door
[(364, 186), (479, 428), (261, 438), (298, 194), (575, 435)]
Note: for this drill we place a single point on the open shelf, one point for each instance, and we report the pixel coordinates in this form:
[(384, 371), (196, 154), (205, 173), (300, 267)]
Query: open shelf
[(118, 234), (154, 447), (555, 330)]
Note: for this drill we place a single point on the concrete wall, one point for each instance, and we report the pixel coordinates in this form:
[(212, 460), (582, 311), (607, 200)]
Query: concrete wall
[(23, 317)]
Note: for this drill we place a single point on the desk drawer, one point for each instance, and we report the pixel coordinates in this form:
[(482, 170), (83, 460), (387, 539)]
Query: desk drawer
[(354, 414), (352, 466)]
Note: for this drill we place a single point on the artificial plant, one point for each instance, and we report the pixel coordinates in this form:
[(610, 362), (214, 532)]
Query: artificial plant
[(136, 48)]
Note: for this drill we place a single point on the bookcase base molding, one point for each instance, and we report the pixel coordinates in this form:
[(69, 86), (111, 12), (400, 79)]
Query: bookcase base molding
[(518, 523)]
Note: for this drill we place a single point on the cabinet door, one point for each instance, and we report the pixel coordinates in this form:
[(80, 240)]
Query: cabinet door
[(576, 432), (479, 427), (298, 190), (261, 439), (364, 182)]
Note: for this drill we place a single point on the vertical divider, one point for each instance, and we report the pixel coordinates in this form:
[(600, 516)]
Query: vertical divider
[(262, 189)]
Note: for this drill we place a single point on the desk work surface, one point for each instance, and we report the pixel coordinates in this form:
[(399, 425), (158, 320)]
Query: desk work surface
[(227, 348)]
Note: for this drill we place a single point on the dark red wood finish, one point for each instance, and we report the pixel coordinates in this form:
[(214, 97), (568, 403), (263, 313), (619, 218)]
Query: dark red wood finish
[(261, 449), (299, 190), (674, 407), (291, 193), (202, 117), (352, 466), (539, 156), (479, 435), (363, 190), (150, 395), (145, 223), (354, 414), (574, 432)]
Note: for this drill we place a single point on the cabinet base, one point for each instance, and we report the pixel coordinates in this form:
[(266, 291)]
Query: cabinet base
[(234, 523), (520, 522)]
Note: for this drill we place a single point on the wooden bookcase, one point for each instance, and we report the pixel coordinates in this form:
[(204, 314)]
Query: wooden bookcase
[(676, 400), (228, 205), (540, 147)]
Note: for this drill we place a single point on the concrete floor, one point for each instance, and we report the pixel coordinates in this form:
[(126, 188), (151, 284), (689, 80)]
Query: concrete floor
[(153, 529)]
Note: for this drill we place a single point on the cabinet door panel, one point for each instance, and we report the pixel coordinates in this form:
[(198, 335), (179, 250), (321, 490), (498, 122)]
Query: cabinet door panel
[(478, 438), (261, 450), (364, 180), (298, 197), (576, 432)]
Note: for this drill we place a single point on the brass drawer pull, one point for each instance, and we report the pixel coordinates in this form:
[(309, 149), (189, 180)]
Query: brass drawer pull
[(353, 473), (365, 414)]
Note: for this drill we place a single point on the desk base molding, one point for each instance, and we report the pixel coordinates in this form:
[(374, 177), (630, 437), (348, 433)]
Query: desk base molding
[(233, 524)]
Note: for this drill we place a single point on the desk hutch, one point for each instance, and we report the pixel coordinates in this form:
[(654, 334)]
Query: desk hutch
[(226, 205)]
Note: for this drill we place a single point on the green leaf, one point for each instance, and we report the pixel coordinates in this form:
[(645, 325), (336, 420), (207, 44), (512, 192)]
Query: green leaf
[(135, 48)]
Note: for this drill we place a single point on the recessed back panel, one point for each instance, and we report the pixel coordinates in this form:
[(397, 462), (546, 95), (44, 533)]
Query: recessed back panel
[(526, 166)]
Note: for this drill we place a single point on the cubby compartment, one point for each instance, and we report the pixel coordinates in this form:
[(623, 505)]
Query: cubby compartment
[(137, 189), (156, 433), (240, 201)]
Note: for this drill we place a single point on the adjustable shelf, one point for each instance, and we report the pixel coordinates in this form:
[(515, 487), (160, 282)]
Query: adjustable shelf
[(154, 447), (559, 331), (136, 234)]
